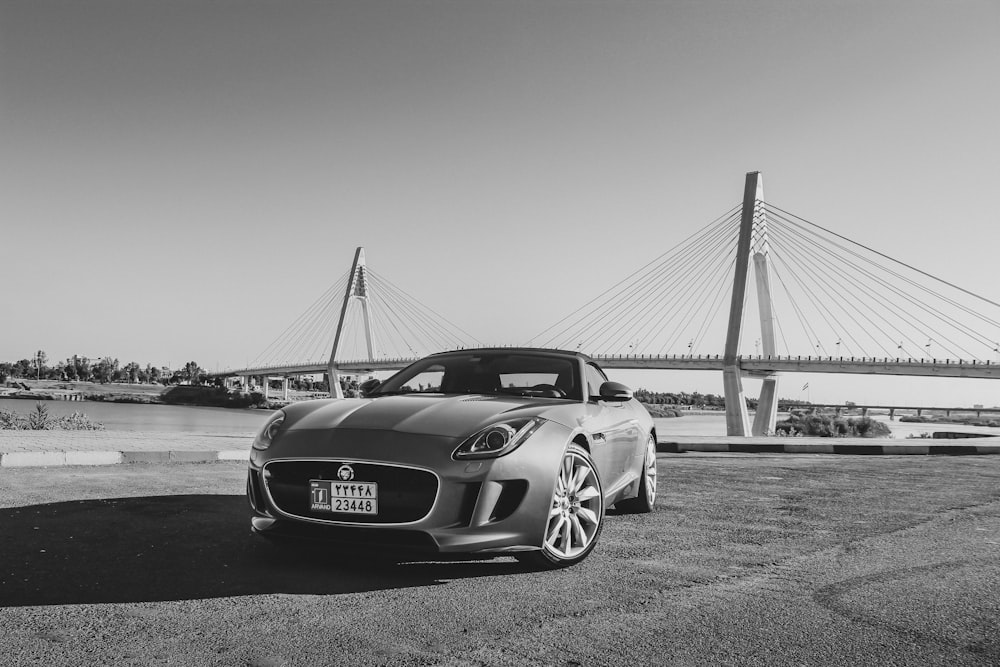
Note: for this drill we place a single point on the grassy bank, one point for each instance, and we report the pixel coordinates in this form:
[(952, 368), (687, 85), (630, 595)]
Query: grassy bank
[(941, 419), (87, 391), (39, 419)]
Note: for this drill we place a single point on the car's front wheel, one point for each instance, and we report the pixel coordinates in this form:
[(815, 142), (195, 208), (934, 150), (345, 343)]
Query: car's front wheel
[(575, 515)]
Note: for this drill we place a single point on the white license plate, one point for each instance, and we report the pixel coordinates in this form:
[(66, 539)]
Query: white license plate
[(343, 497)]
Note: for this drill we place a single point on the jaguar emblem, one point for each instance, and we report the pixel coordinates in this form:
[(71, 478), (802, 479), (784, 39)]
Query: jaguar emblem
[(345, 473)]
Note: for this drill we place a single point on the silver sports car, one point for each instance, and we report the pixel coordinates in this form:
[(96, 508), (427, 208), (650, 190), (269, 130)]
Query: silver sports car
[(504, 450)]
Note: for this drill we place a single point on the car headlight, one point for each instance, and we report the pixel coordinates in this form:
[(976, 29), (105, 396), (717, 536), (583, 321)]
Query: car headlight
[(498, 439), (266, 434)]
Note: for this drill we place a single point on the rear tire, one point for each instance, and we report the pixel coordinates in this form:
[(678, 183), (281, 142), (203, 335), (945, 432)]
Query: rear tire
[(646, 499), (575, 514)]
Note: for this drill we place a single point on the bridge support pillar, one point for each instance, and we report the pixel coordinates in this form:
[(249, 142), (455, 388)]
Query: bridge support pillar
[(333, 380), (737, 417), (767, 407), (767, 404), (284, 386), (357, 288), (892, 414), (737, 420)]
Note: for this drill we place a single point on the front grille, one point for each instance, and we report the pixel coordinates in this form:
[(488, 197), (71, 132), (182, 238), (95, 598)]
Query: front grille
[(404, 494)]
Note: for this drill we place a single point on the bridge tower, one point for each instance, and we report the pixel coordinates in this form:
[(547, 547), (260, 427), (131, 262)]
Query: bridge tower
[(357, 288), (753, 239)]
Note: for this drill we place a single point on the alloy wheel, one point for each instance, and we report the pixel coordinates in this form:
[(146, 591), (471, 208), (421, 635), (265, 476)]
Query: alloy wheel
[(577, 508)]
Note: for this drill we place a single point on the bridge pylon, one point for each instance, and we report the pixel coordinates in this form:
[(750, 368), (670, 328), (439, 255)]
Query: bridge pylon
[(357, 288), (753, 239)]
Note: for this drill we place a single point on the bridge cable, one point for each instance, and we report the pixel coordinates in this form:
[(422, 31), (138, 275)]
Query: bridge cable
[(280, 344), (654, 289), (411, 319), (780, 243), (655, 262), (808, 292), (436, 338), (652, 279), (886, 304), (826, 288), (889, 306), (937, 313), (416, 318), (896, 261), (654, 286), (424, 310), (721, 269)]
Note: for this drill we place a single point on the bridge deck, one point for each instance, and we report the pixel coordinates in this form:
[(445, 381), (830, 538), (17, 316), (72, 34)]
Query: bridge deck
[(752, 365)]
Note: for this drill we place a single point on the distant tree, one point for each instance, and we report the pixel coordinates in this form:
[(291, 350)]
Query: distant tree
[(22, 368), (132, 371), (6, 370), (40, 360), (78, 368), (192, 372), (104, 371)]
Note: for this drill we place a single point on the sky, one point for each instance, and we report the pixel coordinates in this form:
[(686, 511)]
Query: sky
[(181, 179)]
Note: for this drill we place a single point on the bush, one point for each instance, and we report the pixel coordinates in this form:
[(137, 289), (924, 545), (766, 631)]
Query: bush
[(814, 424), (41, 420), (216, 397), (659, 411)]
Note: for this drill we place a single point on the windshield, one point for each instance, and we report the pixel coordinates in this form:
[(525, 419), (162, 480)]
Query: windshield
[(488, 373)]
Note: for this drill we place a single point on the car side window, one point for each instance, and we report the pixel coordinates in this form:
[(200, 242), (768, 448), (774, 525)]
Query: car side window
[(595, 378)]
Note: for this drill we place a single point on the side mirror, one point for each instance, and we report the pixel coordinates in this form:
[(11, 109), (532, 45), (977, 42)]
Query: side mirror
[(615, 392), (368, 386)]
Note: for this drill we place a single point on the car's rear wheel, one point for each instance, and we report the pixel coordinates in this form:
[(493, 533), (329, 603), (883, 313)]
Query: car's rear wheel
[(646, 499), (575, 515)]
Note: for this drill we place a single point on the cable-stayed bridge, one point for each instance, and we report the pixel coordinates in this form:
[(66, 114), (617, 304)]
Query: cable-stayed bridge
[(822, 303)]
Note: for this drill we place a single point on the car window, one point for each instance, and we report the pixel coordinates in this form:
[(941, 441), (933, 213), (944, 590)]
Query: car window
[(428, 381), (510, 380), (595, 378), (490, 372)]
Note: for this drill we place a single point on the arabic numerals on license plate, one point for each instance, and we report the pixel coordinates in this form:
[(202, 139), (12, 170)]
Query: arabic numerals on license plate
[(348, 497), (353, 505)]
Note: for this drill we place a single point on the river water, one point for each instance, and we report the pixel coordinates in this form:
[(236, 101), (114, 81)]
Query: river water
[(182, 419)]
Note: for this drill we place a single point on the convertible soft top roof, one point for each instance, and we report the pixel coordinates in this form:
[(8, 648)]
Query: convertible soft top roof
[(517, 350)]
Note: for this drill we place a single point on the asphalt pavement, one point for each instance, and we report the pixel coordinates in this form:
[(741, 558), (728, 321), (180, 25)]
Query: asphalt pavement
[(749, 559)]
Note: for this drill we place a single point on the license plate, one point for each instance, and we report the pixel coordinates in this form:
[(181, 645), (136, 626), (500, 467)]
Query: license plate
[(343, 497)]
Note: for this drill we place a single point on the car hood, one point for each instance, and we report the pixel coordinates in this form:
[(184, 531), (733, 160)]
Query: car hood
[(423, 414)]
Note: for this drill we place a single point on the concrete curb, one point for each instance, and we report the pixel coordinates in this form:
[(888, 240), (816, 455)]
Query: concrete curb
[(103, 458), (672, 445)]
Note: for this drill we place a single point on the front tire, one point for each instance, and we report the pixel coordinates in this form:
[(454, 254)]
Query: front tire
[(575, 514), (646, 499)]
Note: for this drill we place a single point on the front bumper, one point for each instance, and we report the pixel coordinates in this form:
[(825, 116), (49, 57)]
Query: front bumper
[(491, 505)]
